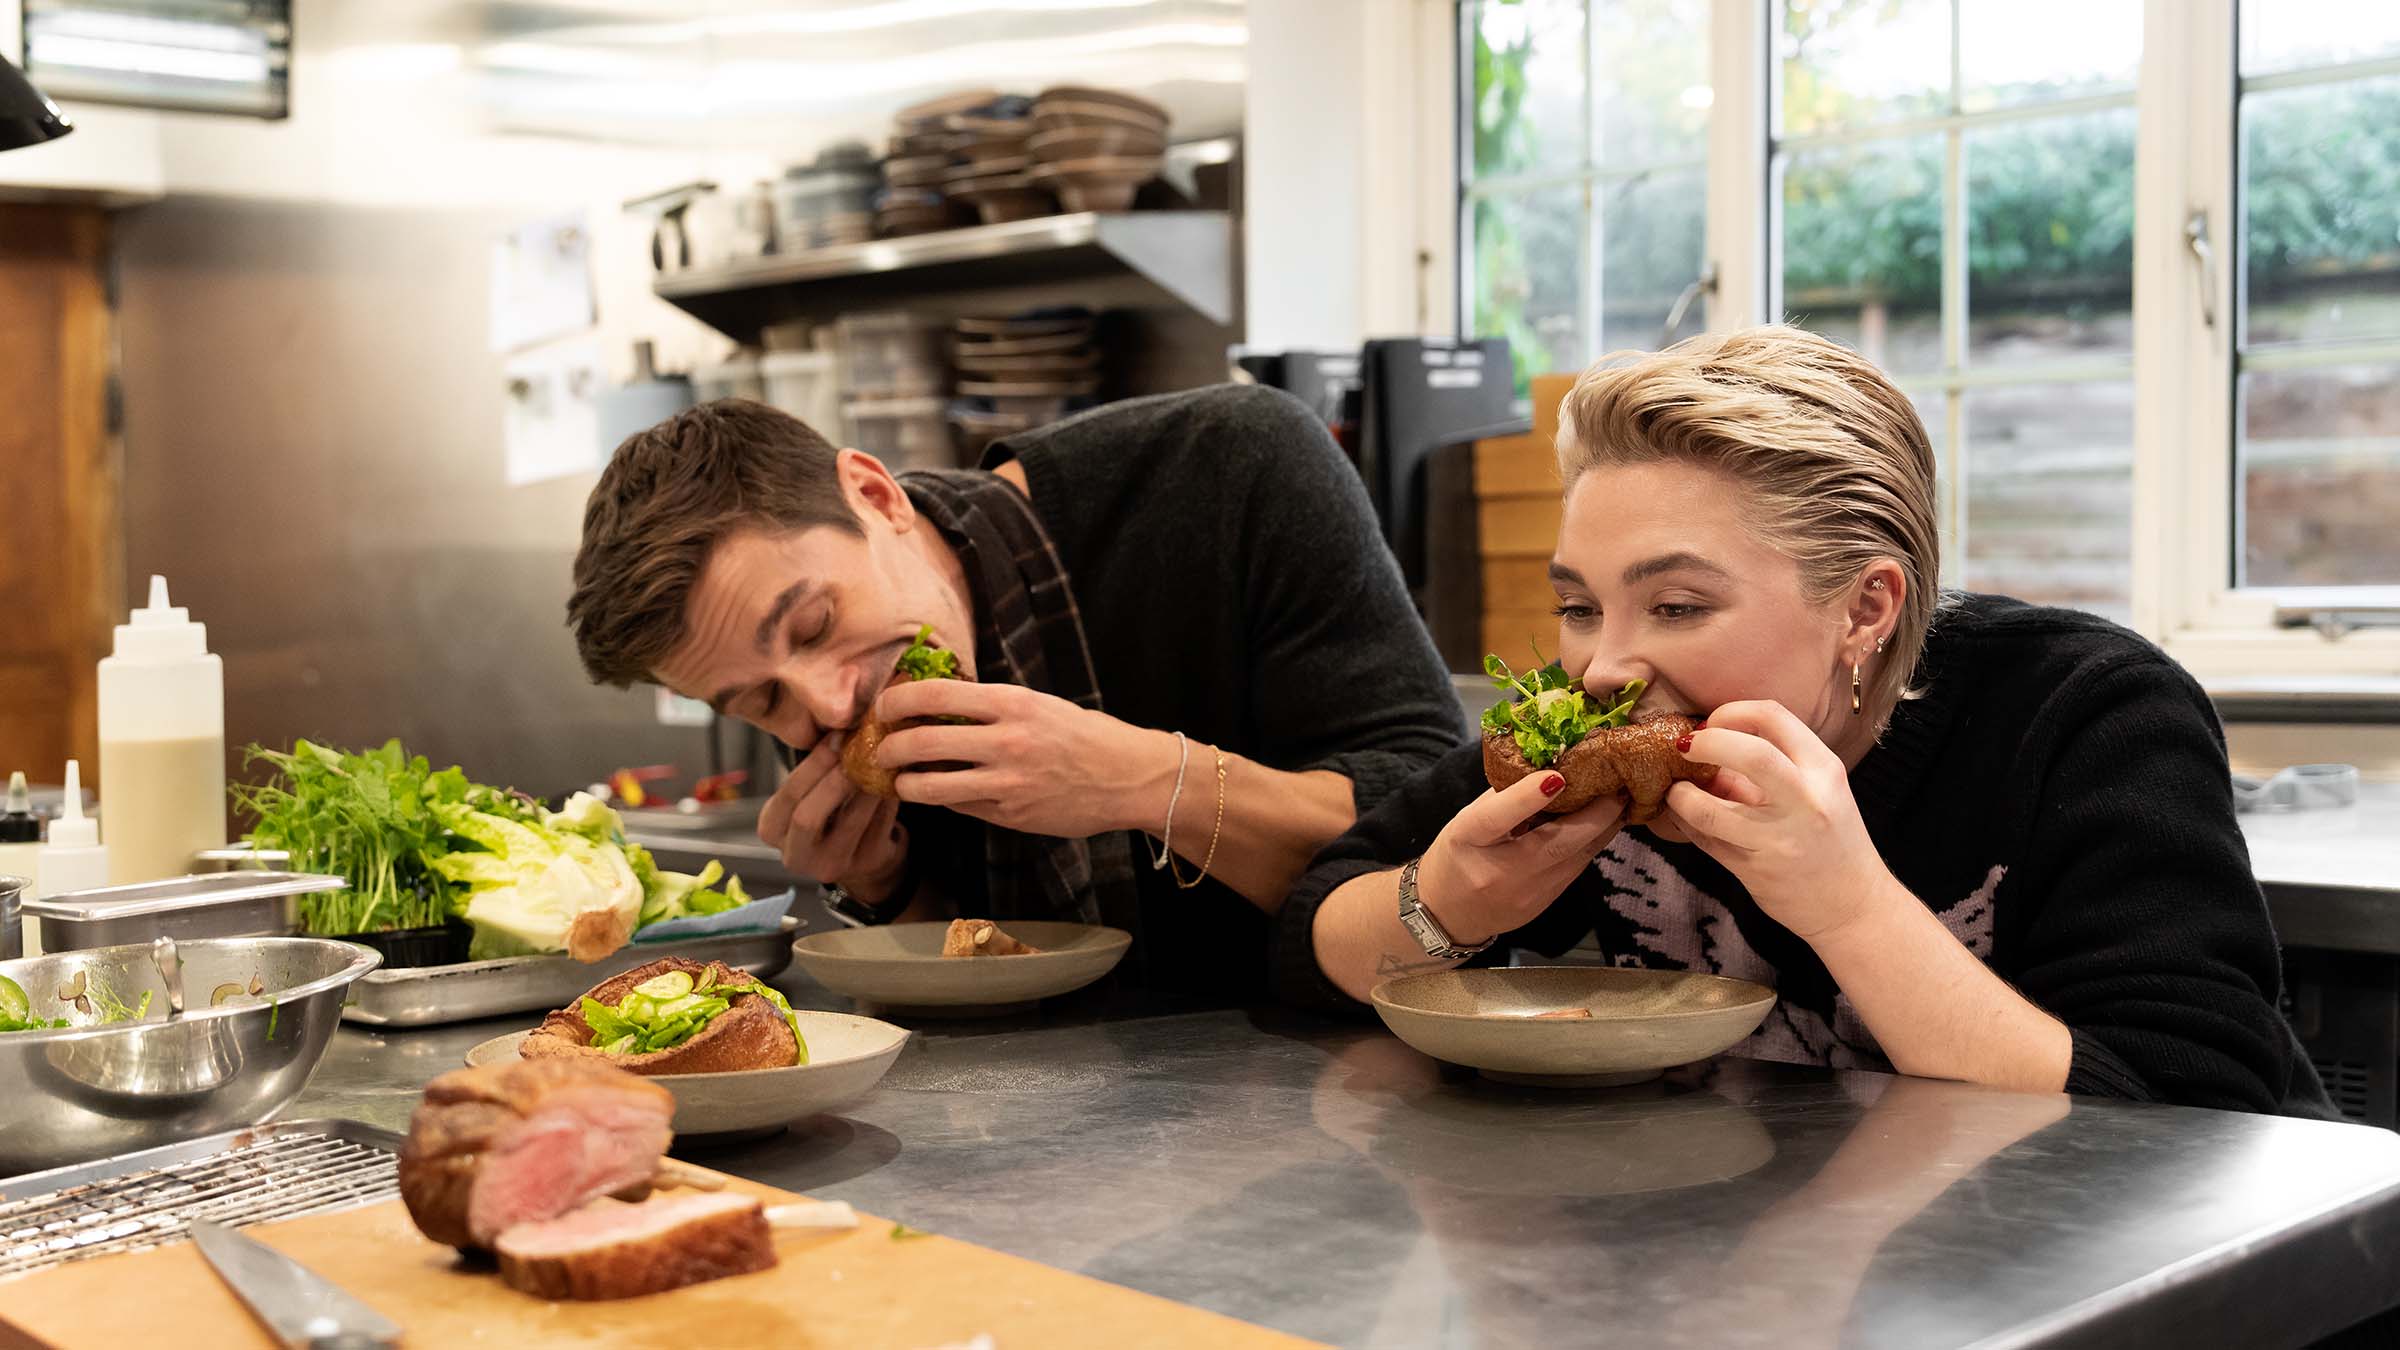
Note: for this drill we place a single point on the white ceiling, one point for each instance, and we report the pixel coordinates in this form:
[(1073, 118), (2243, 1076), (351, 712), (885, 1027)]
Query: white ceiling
[(787, 78)]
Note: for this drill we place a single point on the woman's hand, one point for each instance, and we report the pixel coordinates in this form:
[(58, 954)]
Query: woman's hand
[(1781, 818), (1499, 863)]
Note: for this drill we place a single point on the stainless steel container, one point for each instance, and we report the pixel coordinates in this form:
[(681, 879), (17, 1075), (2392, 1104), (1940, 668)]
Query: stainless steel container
[(242, 858), (12, 918), (226, 905), (97, 1088)]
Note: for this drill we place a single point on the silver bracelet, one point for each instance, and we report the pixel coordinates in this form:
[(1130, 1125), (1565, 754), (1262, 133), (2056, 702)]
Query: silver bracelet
[(1166, 844)]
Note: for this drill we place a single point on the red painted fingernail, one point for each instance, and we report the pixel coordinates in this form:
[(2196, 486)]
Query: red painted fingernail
[(1683, 743), (1553, 785)]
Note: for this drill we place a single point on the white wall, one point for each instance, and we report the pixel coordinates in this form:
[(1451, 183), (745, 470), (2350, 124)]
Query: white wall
[(383, 114), (1348, 120)]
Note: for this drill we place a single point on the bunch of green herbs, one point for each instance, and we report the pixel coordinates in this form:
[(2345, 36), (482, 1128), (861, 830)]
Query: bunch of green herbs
[(369, 818)]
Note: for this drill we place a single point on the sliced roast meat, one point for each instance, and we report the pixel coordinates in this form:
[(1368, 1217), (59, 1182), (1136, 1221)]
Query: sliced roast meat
[(610, 1249), (505, 1144)]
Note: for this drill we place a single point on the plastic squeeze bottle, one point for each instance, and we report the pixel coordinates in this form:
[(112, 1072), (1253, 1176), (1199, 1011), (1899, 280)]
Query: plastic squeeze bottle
[(73, 860), (20, 833), (162, 744)]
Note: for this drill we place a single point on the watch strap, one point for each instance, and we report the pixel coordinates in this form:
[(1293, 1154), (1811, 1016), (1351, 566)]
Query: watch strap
[(1426, 929), (859, 914)]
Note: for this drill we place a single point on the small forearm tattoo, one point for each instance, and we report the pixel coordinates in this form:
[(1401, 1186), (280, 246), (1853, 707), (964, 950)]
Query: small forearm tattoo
[(1388, 964)]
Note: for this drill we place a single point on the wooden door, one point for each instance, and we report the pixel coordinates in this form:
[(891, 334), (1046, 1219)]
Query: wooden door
[(61, 547)]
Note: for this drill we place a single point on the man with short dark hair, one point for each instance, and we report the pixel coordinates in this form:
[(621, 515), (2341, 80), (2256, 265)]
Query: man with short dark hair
[(1179, 621)]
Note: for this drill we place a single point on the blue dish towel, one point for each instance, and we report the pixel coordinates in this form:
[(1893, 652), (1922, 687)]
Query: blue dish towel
[(759, 916)]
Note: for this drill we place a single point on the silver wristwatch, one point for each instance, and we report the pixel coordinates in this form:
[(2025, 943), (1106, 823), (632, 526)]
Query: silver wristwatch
[(1423, 927)]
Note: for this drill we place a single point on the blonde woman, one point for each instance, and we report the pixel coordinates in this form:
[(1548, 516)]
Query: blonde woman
[(1963, 837)]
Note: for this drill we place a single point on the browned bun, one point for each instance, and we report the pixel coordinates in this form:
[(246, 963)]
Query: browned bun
[(858, 761), (1637, 762), (751, 1034)]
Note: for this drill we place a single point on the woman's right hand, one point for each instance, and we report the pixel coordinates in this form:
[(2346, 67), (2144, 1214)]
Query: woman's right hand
[(1500, 862), (829, 831)]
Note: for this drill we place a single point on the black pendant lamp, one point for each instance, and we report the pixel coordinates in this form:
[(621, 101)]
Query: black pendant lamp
[(26, 118)]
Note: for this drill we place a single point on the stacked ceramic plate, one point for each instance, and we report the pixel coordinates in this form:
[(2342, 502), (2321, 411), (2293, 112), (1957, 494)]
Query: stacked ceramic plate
[(1095, 147), (993, 172), (1021, 372)]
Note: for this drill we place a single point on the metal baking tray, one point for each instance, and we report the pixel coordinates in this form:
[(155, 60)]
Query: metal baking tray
[(427, 996), (146, 1199), (223, 905)]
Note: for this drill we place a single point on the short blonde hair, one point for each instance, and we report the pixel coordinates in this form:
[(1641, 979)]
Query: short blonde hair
[(1838, 466)]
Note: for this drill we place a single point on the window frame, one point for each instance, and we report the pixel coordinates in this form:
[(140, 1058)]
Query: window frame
[(2183, 370)]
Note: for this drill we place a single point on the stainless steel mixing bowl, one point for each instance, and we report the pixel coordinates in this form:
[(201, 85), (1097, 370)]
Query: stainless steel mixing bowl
[(233, 1059)]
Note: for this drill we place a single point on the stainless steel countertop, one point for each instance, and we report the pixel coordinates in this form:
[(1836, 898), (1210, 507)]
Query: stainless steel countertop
[(2332, 877), (1328, 1181)]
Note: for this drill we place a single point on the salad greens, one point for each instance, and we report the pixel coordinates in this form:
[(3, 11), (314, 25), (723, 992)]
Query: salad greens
[(87, 997), (1549, 713), (666, 1010), (924, 661), (420, 847), (371, 818), (16, 1010)]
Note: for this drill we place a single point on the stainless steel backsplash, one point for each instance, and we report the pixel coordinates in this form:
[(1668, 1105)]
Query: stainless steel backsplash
[(313, 459)]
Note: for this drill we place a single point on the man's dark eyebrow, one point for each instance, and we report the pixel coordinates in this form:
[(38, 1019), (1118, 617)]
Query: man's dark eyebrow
[(1672, 562), (775, 612), (722, 697)]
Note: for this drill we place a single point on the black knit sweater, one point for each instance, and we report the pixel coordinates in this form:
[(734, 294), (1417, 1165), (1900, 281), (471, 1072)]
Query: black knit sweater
[(1234, 587), (2058, 797)]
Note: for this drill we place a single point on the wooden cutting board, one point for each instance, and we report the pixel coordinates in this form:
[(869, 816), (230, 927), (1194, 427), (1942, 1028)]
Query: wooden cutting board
[(857, 1290)]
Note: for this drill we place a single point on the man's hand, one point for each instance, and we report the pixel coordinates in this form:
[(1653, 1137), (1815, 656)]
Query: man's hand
[(1030, 761), (830, 831)]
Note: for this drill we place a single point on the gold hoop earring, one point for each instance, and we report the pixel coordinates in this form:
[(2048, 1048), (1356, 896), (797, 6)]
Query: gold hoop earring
[(1857, 686)]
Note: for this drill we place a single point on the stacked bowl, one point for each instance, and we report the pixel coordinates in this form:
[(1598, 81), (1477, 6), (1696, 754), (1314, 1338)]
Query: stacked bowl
[(912, 200), (1095, 148), (992, 172), (1022, 371)]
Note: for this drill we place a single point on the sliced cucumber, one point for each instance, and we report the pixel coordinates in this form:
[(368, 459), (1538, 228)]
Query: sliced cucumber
[(665, 988)]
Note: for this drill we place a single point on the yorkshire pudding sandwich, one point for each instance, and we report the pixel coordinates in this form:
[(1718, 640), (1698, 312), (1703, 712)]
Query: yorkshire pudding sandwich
[(922, 661), (675, 1016), (1544, 721)]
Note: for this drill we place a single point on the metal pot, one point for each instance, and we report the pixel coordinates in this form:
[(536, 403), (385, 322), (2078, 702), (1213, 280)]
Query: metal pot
[(96, 1088), (12, 918)]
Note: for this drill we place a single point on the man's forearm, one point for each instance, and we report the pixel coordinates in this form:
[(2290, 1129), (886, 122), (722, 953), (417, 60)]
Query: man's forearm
[(1359, 939), (1273, 822), (1936, 1009)]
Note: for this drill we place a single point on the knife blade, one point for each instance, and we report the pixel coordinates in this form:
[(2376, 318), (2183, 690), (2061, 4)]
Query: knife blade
[(301, 1307)]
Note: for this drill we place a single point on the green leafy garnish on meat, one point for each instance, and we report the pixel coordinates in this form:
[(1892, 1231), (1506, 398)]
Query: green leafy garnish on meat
[(924, 661), (1547, 713)]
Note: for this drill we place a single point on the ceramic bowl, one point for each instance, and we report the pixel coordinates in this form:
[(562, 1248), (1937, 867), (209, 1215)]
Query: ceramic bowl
[(847, 1057), (901, 966), (1642, 1022)]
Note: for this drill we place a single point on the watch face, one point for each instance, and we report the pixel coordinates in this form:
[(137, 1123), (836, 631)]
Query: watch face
[(1420, 926)]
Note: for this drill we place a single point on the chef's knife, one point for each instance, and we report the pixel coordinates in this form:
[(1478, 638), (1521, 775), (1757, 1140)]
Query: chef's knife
[(301, 1307)]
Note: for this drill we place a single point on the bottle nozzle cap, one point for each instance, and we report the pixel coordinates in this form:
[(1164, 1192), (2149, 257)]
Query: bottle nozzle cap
[(18, 824), (158, 611), (74, 829)]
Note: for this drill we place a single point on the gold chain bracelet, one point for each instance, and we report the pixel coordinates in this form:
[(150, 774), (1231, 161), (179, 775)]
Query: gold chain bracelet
[(1216, 833)]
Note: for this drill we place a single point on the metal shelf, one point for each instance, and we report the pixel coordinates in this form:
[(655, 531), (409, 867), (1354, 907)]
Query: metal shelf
[(1187, 254)]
